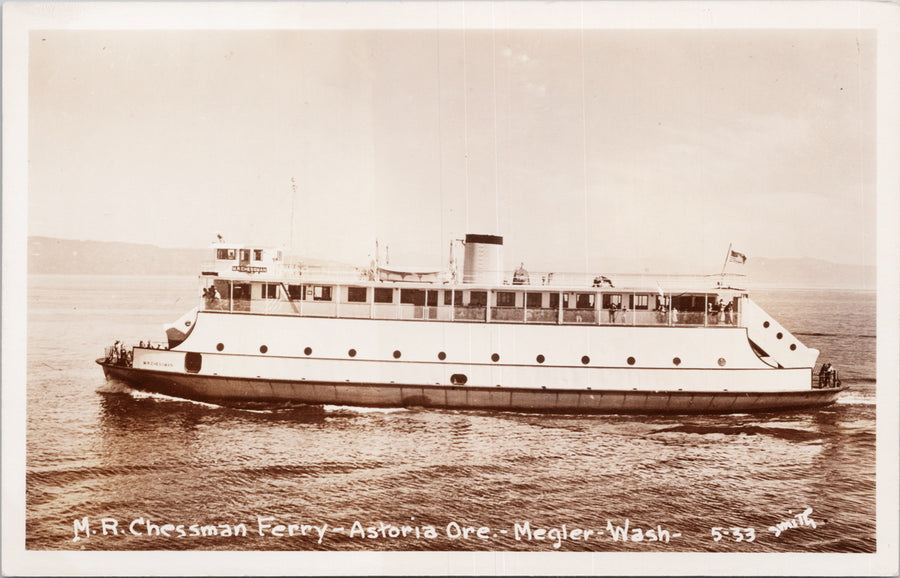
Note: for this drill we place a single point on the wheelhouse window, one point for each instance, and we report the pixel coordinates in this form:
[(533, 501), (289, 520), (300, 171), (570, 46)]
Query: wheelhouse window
[(506, 299), (533, 300), (640, 302), (257, 254), (295, 292), (478, 299), (225, 254), (610, 299), (270, 291), (584, 301), (356, 294), (412, 296), (245, 254), (384, 295)]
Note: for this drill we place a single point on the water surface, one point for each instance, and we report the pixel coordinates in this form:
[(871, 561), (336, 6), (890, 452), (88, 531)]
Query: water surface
[(98, 450)]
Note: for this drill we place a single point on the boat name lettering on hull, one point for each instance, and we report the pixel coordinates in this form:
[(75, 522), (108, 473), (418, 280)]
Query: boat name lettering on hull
[(248, 269)]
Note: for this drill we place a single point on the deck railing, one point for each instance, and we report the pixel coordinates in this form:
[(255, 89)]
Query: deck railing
[(474, 313)]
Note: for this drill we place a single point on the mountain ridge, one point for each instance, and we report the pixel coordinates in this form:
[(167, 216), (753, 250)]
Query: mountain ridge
[(49, 255)]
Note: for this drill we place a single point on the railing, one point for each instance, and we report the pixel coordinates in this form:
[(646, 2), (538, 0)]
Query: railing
[(282, 271), (826, 380), (118, 355), (474, 313), (293, 269)]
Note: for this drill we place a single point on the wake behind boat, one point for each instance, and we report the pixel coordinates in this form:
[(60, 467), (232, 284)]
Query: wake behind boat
[(270, 331)]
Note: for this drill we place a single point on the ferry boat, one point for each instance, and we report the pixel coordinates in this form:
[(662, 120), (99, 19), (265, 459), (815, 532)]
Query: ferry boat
[(270, 331)]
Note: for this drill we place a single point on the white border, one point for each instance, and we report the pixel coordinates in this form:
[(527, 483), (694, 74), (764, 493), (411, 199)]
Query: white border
[(20, 18)]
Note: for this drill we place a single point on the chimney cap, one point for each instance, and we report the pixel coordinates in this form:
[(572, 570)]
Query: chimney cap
[(486, 239)]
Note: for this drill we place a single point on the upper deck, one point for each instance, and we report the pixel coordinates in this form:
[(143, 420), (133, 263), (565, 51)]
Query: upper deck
[(253, 280)]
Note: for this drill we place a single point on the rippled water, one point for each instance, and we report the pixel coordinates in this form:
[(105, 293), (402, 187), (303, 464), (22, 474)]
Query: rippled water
[(96, 450)]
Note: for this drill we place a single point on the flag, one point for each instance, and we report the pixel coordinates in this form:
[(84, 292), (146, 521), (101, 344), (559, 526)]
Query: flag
[(736, 257)]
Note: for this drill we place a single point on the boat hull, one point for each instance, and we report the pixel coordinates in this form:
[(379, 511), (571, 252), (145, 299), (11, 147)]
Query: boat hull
[(229, 390)]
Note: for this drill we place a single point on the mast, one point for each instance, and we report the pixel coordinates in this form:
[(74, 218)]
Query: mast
[(293, 198), (725, 264)]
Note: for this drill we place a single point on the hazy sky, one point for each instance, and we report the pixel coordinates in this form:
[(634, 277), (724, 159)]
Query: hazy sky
[(586, 149)]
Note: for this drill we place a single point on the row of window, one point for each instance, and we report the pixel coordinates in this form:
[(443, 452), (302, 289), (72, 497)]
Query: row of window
[(495, 357), (245, 254), (430, 298), (779, 335)]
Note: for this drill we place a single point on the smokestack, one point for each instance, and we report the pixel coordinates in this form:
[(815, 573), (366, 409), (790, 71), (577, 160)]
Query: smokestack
[(483, 260)]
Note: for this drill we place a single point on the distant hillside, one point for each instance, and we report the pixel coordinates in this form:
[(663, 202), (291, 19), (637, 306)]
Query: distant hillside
[(47, 255), (806, 273), (63, 256)]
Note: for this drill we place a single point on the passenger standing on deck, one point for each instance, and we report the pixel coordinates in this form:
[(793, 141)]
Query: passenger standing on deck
[(612, 312), (832, 376), (825, 375), (660, 313), (728, 318)]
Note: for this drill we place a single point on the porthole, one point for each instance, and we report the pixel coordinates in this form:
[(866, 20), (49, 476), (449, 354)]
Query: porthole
[(540, 359), (630, 361), (676, 360), (779, 335), (263, 348), (585, 360), (352, 353), (396, 354), (495, 357), (793, 347), (721, 362), (766, 324), (308, 351), (442, 356), (220, 347)]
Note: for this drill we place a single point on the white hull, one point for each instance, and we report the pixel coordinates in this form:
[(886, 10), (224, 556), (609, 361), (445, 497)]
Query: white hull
[(471, 365)]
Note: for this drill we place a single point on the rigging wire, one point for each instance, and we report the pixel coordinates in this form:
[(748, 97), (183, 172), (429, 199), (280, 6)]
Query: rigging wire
[(465, 111), (440, 143), (496, 137), (584, 144)]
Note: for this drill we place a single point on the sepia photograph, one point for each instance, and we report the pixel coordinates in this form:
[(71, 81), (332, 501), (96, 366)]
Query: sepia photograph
[(467, 288)]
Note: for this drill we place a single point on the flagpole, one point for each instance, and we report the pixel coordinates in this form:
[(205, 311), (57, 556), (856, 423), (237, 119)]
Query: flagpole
[(725, 264)]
